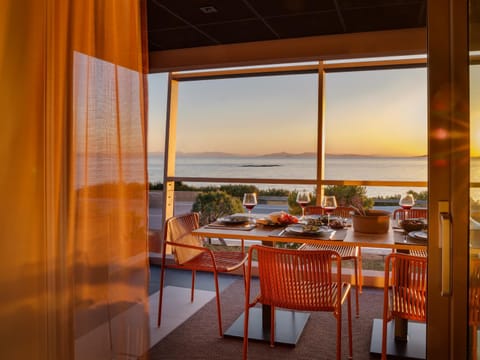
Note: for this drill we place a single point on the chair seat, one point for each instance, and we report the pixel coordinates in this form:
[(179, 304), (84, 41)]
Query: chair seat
[(225, 261), (422, 253), (309, 296), (345, 252)]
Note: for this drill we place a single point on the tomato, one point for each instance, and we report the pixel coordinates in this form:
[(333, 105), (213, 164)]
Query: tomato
[(294, 219), (287, 219)]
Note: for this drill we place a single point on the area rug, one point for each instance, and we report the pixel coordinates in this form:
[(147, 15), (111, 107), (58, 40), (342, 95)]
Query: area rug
[(197, 337)]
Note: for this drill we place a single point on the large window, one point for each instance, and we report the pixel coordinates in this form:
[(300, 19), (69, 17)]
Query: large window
[(352, 123), (376, 126), (248, 127)]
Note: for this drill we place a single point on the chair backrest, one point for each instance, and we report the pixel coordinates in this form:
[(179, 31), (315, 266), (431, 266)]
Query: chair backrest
[(296, 279), (402, 214), (407, 282), (342, 211), (178, 230)]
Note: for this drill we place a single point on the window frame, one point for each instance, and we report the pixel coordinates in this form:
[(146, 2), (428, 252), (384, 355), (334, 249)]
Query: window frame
[(321, 68)]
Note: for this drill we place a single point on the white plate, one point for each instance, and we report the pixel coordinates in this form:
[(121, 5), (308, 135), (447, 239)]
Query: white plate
[(233, 219), (321, 231), (421, 235)]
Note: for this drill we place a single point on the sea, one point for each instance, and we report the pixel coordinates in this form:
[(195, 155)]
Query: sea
[(298, 167)]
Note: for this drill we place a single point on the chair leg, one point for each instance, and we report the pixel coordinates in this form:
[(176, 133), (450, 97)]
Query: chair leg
[(245, 331), (357, 287), (160, 297), (360, 275), (272, 326), (192, 294), (219, 310), (384, 338), (339, 332), (244, 268), (474, 342), (349, 312), (246, 316)]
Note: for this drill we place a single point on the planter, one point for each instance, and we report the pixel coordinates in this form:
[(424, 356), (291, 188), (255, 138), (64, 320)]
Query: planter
[(374, 222)]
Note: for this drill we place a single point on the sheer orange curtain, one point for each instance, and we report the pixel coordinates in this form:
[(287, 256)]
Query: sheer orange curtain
[(73, 221)]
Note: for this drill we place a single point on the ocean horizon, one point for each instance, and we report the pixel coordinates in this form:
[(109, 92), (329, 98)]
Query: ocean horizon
[(298, 166), (211, 154)]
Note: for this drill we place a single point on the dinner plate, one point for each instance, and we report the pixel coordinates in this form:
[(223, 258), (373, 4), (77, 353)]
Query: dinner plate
[(233, 219), (268, 222), (420, 235), (299, 229)]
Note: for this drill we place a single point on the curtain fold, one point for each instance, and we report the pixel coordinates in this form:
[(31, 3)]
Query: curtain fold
[(73, 180)]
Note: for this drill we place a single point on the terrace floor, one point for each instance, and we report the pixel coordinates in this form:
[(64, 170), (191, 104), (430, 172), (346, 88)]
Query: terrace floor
[(186, 323)]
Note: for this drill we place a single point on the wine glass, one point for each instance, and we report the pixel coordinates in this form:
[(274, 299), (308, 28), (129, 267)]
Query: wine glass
[(406, 202), (303, 199), (329, 203), (249, 202)]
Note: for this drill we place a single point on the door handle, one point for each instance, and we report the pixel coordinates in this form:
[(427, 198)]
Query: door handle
[(445, 243)]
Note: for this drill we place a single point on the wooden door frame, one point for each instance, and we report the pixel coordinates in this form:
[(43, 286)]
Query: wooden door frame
[(447, 49)]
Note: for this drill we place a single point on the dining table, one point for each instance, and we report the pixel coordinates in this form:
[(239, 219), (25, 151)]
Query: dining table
[(290, 324)]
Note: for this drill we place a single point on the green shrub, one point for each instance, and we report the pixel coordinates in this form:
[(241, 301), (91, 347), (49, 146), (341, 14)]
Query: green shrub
[(214, 204), (238, 190), (422, 195), (347, 195), (179, 186), (274, 192), (155, 186), (293, 207)]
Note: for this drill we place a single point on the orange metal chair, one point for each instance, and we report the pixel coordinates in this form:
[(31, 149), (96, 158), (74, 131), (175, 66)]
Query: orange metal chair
[(353, 253), (405, 291), (190, 254), (474, 304), (413, 213), (298, 280)]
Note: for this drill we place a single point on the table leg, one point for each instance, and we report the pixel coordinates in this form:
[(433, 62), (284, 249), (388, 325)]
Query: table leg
[(415, 348), (289, 326), (401, 325), (401, 329), (266, 317)]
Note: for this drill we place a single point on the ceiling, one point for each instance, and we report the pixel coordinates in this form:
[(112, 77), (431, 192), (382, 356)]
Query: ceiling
[(180, 24)]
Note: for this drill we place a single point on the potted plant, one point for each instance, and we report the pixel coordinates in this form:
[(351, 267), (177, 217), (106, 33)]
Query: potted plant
[(369, 221)]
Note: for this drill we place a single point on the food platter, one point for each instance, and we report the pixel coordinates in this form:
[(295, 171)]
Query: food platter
[(309, 230), (233, 219), (419, 235)]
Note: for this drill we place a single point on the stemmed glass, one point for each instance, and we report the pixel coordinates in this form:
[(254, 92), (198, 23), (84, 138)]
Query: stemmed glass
[(406, 202), (249, 202), (329, 203), (303, 199)]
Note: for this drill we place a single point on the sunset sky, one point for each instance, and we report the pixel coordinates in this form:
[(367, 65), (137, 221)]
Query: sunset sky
[(367, 112)]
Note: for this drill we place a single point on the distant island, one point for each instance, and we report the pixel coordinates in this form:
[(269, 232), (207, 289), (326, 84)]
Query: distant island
[(217, 154)]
